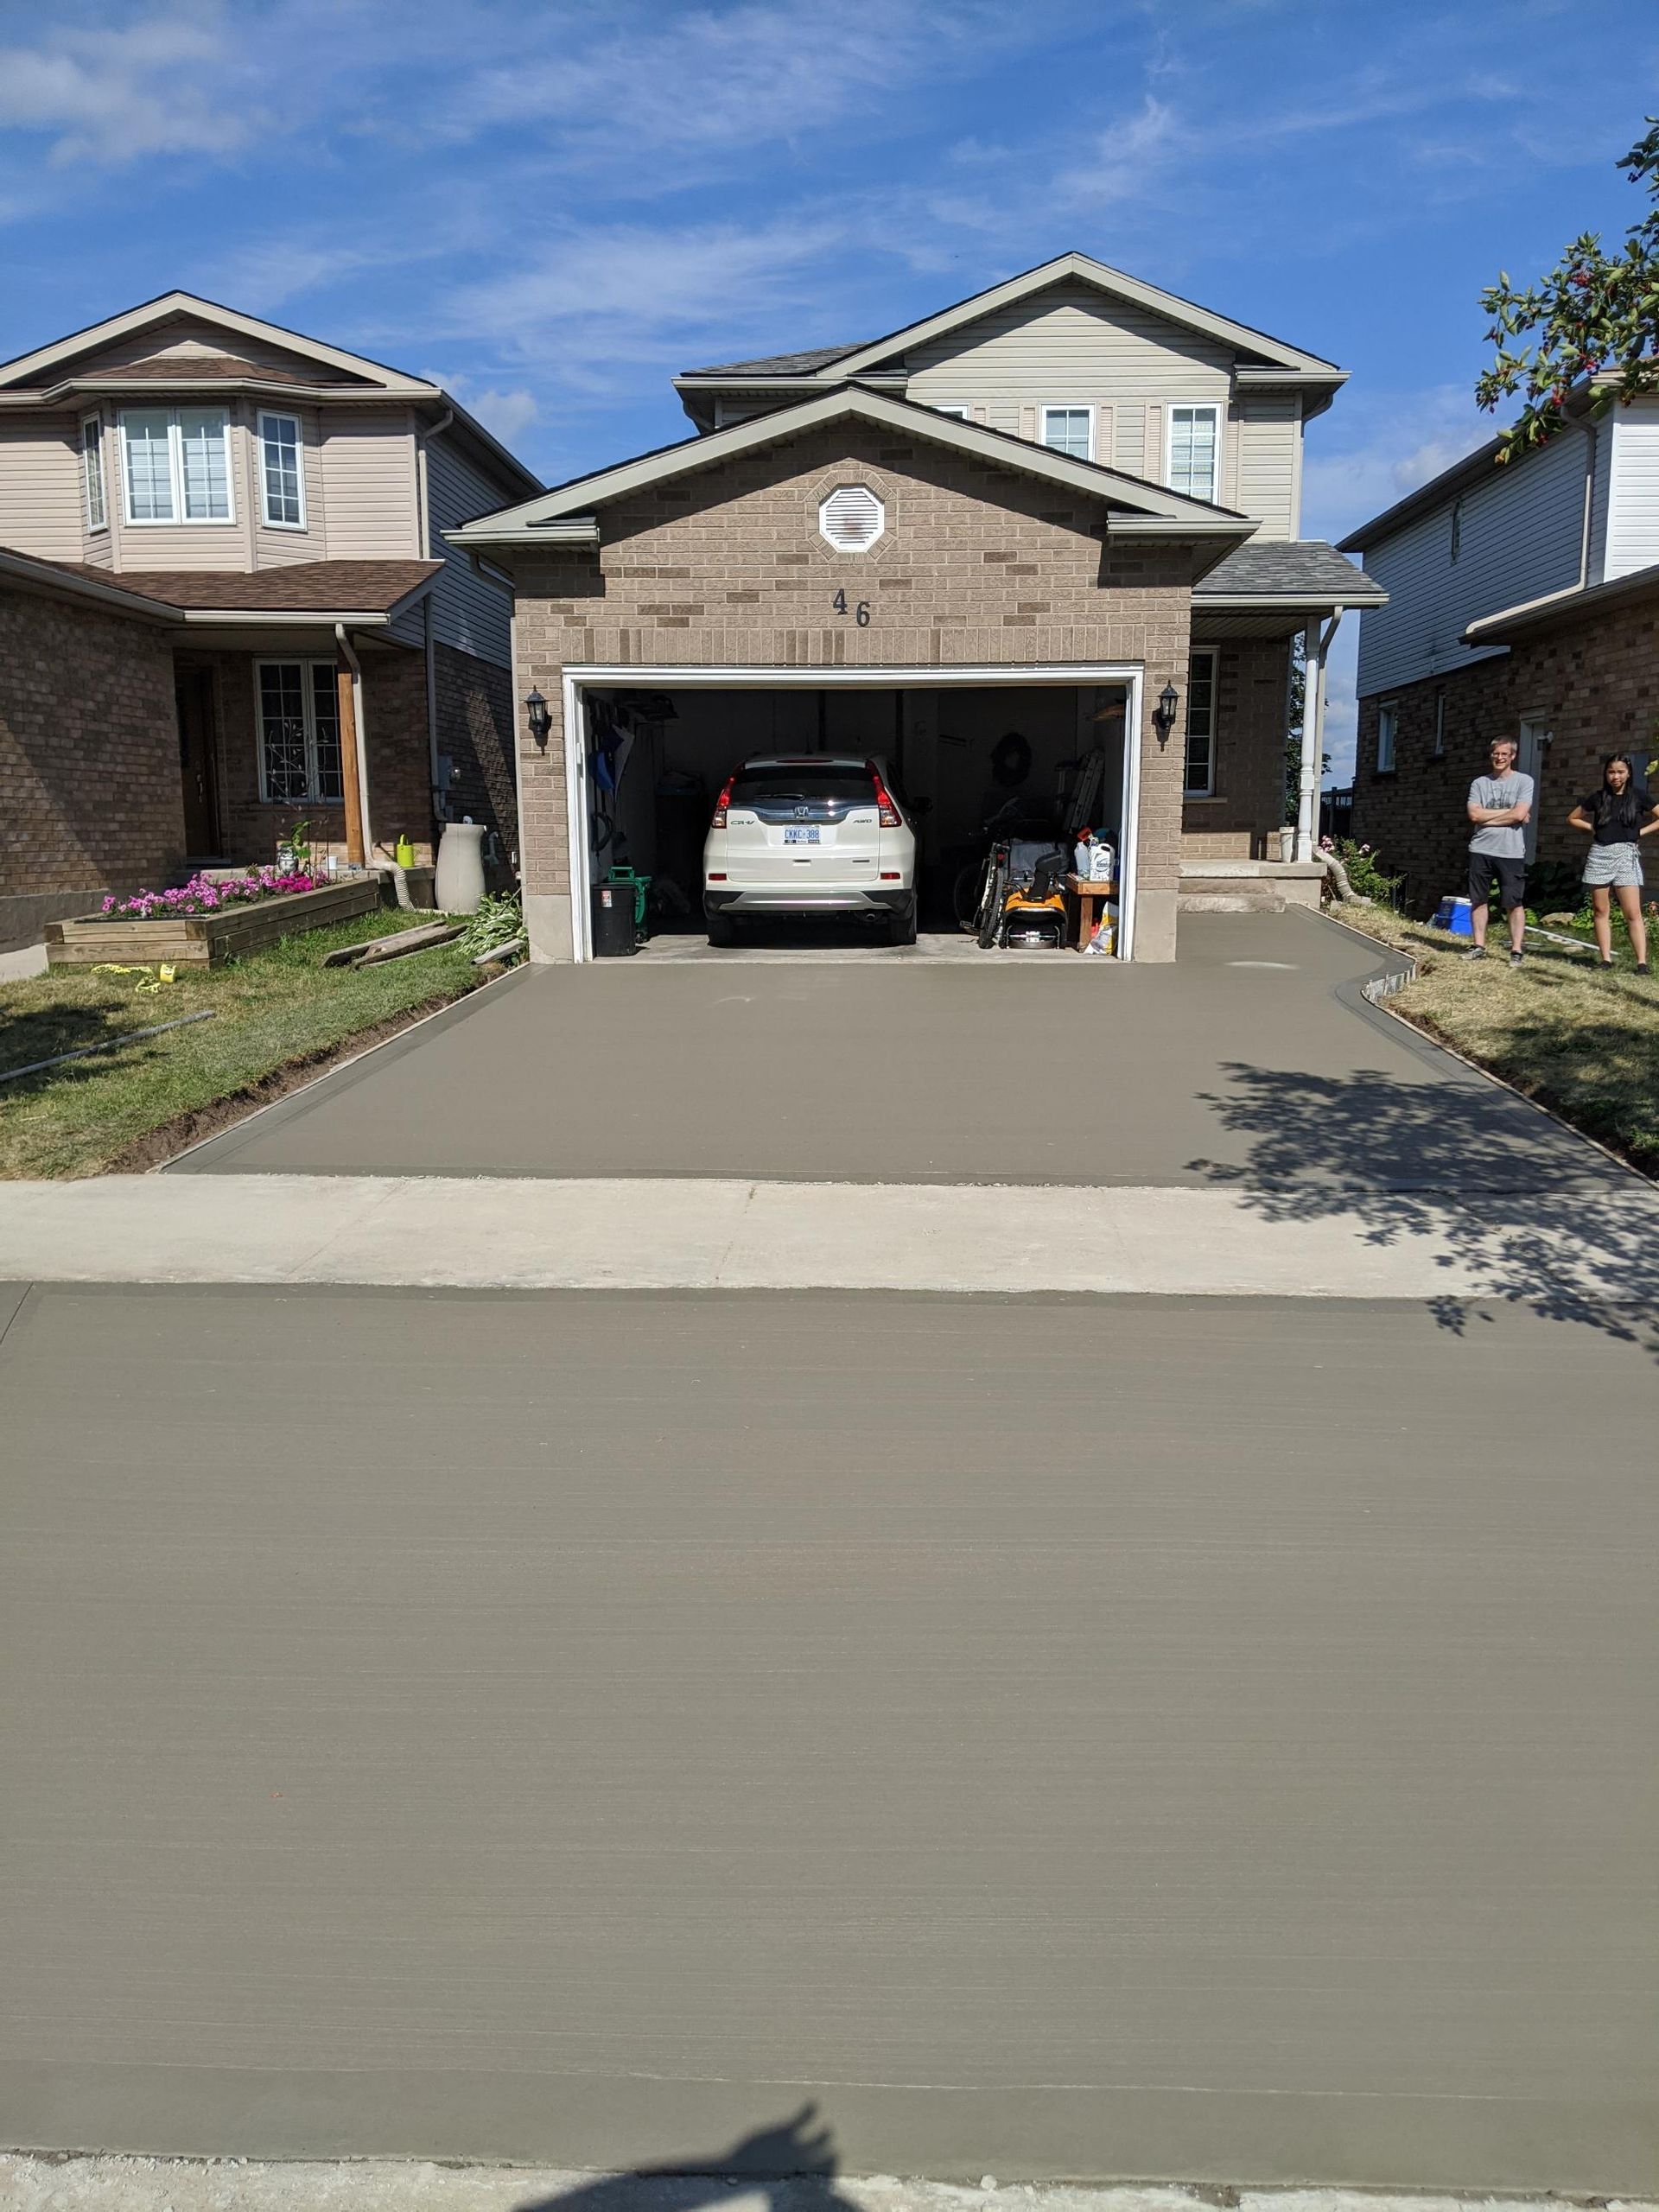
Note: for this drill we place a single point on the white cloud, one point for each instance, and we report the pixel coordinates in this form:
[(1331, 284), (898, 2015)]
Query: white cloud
[(110, 95), (509, 414)]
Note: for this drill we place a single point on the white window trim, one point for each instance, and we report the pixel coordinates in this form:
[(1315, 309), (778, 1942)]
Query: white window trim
[(1064, 407), (954, 408), (94, 420), (1211, 407), (308, 704), (280, 415), (1391, 708), (178, 519), (1206, 790)]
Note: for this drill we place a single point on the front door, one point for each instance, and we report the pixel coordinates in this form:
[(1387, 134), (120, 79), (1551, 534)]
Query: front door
[(1529, 761), (194, 696)]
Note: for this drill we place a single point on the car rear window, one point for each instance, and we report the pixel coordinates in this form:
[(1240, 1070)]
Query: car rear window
[(766, 786)]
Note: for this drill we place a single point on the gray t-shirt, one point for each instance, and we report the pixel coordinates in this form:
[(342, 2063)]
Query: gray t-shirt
[(1506, 840)]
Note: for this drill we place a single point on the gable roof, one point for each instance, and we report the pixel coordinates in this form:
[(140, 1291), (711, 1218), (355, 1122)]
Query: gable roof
[(1273, 570), (340, 375), (852, 360), (564, 514), (170, 307)]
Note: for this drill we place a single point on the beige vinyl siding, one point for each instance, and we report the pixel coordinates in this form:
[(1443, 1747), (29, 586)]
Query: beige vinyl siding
[(273, 548), (1129, 436), (183, 342), (1266, 434), (1070, 344), (368, 483), (469, 611), (178, 544), (39, 488)]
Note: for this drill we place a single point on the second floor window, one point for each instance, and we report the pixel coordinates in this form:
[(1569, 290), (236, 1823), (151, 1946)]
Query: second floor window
[(1070, 429), (92, 472), (177, 464), (1194, 445), (280, 471)]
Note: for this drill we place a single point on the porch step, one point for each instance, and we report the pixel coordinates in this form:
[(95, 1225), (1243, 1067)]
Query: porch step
[(1239, 886)]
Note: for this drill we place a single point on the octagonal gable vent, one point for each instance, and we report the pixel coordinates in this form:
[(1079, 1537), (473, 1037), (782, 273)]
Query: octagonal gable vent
[(852, 518)]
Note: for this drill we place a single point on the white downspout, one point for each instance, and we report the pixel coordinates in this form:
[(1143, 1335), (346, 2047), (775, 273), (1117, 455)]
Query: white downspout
[(348, 655), (423, 439), (1307, 809)]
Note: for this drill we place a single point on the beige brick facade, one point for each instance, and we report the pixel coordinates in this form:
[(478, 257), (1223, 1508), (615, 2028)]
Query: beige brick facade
[(977, 566), (1595, 683), (1252, 700)]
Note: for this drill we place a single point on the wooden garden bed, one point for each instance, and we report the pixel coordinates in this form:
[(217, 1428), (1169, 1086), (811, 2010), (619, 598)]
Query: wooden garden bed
[(206, 940)]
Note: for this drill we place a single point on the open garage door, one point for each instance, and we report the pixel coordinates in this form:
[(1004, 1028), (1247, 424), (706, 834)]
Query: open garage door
[(649, 752)]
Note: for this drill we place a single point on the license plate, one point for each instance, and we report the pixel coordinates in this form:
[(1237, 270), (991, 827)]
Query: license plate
[(800, 837)]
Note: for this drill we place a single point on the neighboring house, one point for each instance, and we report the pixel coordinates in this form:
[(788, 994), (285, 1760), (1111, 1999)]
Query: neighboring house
[(225, 587), (1523, 602), (1040, 510)]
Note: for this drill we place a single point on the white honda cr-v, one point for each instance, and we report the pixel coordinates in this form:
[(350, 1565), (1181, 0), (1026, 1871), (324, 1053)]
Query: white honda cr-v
[(819, 833)]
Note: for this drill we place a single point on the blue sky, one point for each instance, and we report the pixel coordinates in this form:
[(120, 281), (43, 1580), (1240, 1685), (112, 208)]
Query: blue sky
[(552, 207)]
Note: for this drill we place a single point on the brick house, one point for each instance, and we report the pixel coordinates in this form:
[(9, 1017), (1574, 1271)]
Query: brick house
[(1078, 495), (227, 603), (1524, 602)]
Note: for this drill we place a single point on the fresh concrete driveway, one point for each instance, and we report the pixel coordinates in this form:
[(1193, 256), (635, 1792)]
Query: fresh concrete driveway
[(1254, 1058), (1093, 1737)]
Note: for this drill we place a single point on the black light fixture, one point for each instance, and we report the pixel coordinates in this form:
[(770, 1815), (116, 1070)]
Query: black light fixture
[(540, 721), (1168, 701)]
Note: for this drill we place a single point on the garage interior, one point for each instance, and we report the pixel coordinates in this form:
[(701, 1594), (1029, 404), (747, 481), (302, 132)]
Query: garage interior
[(658, 757)]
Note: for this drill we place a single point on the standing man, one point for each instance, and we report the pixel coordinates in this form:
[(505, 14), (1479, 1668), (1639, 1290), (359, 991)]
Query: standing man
[(1500, 805)]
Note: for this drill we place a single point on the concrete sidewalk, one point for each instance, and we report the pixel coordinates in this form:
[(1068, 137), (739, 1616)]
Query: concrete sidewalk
[(715, 1234)]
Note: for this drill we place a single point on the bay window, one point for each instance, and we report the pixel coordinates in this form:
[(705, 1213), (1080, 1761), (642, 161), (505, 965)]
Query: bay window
[(177, 464), (281, 472), (1194, 451), (299, 732), (92, 472)]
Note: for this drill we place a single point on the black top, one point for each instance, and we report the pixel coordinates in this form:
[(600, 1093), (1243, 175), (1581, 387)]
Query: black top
[(1617, 815)]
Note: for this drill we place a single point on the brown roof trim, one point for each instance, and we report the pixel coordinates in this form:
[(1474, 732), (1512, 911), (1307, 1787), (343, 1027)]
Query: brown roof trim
[(325, 590), (57, 579)]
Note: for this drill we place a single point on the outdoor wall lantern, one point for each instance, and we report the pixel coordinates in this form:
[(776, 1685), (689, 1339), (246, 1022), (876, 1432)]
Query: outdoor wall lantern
[(540, 721), (1164, 717)]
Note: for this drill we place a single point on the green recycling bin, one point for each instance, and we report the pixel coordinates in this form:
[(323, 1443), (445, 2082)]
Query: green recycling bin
[(623, 876)]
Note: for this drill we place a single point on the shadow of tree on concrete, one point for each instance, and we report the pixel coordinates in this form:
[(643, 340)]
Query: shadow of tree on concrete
[(794, 2162), (1521, 1216)]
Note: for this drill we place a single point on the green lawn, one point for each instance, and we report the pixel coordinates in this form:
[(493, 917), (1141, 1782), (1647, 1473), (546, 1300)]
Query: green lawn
[(270, 1010), (1578, 1038)]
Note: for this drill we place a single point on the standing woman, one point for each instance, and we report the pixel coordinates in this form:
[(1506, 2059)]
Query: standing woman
[(1617, 816)]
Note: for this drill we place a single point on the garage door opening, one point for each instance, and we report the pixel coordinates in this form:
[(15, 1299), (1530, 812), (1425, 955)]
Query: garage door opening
[(971, 756)]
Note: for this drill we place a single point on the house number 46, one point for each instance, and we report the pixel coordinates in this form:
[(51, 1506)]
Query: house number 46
[(860, 613)]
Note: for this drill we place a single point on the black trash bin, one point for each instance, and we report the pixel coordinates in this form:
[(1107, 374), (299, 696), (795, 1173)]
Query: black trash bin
[(613, 930)]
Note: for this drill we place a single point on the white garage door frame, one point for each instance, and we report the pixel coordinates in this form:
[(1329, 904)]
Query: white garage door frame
[(580, 681)]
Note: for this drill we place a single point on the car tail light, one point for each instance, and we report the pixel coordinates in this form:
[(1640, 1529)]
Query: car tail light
[(889, 816), (723, 803), (889, 875), (716, 875)]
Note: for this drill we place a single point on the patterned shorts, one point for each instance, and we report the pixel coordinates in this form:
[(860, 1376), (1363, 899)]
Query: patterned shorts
[(1618, 865)]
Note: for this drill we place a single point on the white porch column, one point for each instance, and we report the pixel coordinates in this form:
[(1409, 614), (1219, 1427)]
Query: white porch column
[(1316, 648)]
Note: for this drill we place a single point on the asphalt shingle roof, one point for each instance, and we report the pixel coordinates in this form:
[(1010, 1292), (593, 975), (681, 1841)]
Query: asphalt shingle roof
[(781, 365), (301, 587), (1286, 568)]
